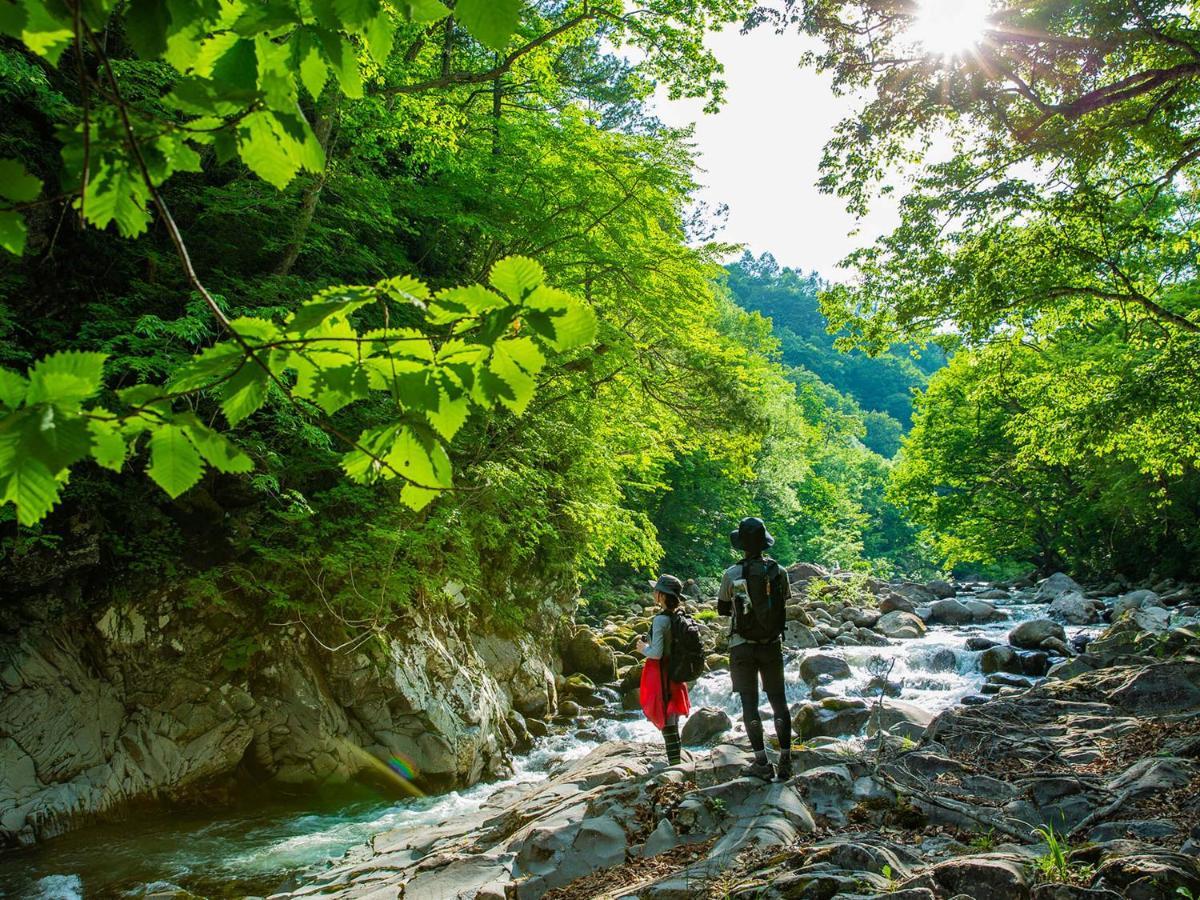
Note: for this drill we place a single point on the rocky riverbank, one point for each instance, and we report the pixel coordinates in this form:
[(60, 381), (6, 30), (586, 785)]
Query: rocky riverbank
[(1073, 770), (163, 702)]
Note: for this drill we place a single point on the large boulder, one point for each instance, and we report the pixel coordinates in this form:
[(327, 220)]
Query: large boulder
[(799, 636), (704, 724), (899, 624), (806, 572), (942, 589), (890, 602), (991, 876), (838, 717), (1075, 609), (961, 612), (1033, 634), (814, 666), (586, 653), (1058, 583), (1134, 600), (917, 594)]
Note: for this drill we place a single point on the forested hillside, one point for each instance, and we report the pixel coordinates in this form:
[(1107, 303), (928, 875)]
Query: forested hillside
[(882, 386)]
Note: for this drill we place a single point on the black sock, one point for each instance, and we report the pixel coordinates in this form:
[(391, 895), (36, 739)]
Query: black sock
[(783, 723), (671, 739)]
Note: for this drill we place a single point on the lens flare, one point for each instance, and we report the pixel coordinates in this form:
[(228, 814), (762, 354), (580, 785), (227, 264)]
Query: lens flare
[(949, 28), (403, 767)]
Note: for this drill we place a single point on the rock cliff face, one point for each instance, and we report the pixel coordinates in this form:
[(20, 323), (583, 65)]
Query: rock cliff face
[(158, 702)]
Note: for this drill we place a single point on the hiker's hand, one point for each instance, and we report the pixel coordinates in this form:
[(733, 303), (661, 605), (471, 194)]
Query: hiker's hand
[(641, 646)]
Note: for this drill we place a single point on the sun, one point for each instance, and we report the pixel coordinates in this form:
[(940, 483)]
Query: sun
[(949, 28)]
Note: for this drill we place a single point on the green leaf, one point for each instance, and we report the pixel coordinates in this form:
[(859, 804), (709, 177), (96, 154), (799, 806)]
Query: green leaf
[(455, 304), (244, 393), (37, 446), (12, 388), (380, 35), (16, 184), (47, 33), (420, 459), (361, 464), (206, 368), (405, 289), (449, 415), (276, 79), (356, 15), (68, 377), (313, 70), (516, 362), (335, 302), (117, 193), (146, 23), (340, 386), (220, 452), (565, 322), (421, 11), (108, 445), (263, 152), (12, 232), (12, 18), (516, 276), (342, 59), (492, 22), (175, 464)]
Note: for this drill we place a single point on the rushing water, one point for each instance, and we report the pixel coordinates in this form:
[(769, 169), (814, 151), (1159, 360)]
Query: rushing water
[(259, 850)]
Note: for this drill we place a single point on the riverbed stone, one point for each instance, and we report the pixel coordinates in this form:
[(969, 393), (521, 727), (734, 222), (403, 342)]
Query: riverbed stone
[(1074, 608), (812, 667), (1056, 584), (704, 725), (899, 624), (1032, 634)]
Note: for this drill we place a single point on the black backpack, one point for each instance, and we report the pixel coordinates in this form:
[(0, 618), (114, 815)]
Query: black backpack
[(685, 656), (766, 617)]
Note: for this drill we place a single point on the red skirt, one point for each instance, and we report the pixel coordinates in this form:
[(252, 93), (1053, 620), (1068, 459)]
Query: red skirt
[(654, 705)]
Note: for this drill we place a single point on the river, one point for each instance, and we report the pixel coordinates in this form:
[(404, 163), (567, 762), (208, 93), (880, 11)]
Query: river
[(272, 845)]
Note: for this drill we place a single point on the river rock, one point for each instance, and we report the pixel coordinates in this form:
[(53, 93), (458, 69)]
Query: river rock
[(899, 624), (1075, 609), (799, 637), (586, 653), (891, 602), (705, 724), (961, 612), (818, 664), (1058, 583), (916, 594), (1134, 600), (941, 589), (149, 702), (991, 876), (1033, 634)]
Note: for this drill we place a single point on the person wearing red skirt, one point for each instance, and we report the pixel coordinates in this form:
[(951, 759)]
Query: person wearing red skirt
[(663, 700)]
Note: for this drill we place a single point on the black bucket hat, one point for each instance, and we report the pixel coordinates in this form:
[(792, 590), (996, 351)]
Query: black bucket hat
[(668, 584), (751, 535)]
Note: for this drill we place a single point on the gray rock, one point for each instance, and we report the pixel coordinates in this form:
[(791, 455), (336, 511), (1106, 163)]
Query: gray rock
[(892, 602), (1075, 609), (1000, 659), (705, 724), (799, 637), (1134, 600), (1056, 584), (586, 653), (941, 589), (1033, 633), (662, 839), (991, 876), (899, 624), (818, 664)]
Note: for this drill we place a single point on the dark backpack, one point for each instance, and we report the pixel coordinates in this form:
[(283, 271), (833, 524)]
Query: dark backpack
[(685, 657), (766, 617)]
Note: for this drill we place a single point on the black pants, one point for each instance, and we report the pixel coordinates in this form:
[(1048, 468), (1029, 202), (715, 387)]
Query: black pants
[(748, 665)]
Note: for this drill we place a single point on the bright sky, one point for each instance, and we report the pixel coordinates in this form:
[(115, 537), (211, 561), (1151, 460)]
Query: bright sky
[(761, 151)]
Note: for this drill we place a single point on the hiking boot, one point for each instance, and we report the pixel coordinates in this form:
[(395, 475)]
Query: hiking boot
[(765, 771), (783, 771)]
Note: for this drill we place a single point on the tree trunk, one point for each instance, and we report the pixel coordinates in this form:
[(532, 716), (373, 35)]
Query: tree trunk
[(322, 128)]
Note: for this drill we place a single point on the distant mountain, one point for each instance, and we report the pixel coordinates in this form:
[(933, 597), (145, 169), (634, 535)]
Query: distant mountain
[(880, 387)]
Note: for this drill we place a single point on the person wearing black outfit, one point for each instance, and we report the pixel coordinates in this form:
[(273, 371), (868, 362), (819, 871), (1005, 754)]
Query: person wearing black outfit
[(754, 594)]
